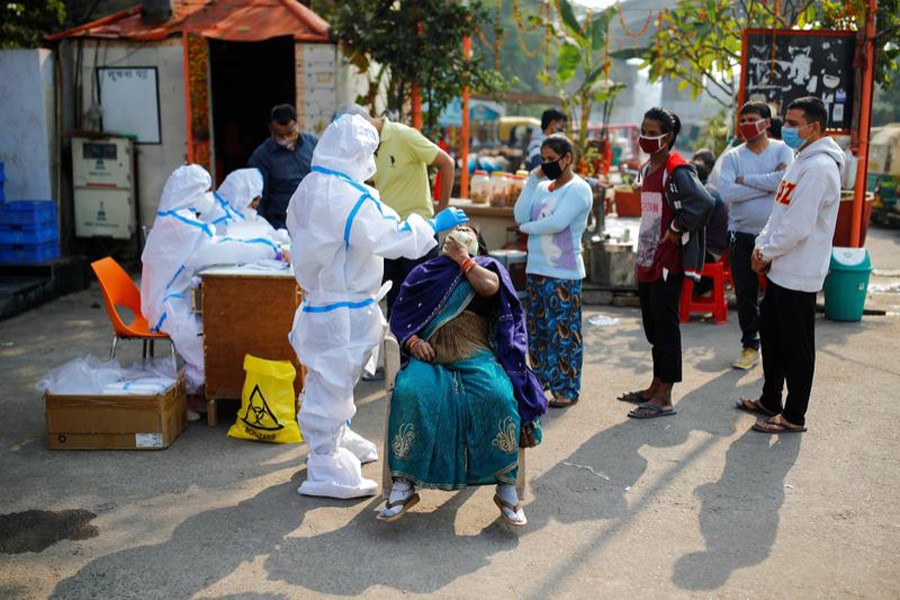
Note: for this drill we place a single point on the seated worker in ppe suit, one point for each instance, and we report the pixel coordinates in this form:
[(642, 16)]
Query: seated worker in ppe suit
[(341, 234), (239, 196), (181, 243)]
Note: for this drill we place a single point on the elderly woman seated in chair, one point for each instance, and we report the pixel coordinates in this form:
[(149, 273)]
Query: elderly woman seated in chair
[(465, 400)]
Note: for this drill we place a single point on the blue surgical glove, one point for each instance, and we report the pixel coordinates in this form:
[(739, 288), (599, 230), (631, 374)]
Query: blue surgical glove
[(448, 219)]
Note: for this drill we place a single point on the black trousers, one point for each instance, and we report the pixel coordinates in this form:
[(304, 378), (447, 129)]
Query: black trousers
[(396, 270), (787, 328), (746, 287), (659, 313)]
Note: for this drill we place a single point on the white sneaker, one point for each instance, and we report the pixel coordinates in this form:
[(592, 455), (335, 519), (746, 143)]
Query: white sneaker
[(749, 359)]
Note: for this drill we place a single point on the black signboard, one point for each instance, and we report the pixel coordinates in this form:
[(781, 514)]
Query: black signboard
[(781, 65)]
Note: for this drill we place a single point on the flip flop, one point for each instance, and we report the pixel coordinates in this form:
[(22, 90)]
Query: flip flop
[(753, 406), (655, 411), (562, 402), (633, 397), (767, 426), (501, 504), (407, 503)]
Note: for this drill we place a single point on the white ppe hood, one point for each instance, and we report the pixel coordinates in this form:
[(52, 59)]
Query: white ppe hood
[(241, 187)]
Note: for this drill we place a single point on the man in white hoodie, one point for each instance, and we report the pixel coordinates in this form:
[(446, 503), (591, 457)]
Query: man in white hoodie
[(794, 250)]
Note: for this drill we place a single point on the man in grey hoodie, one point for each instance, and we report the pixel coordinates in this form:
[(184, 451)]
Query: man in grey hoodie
[(794, 250)]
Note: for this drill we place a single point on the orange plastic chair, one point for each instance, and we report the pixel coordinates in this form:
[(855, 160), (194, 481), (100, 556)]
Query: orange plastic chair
[(119, 290)]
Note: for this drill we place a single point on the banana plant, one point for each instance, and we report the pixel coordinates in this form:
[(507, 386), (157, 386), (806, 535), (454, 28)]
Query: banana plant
[(582, 65)]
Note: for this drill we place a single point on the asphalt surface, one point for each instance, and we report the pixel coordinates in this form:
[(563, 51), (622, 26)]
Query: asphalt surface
[(693, 505)]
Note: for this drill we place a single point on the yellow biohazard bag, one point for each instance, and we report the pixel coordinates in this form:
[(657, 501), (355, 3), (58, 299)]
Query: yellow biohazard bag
[(268, 410)]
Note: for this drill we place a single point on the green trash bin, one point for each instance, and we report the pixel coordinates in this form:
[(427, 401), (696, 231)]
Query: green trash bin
[(846, 284)]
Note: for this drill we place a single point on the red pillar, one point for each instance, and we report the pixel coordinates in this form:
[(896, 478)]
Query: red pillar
[(416, 101), (865, 122), (189, 156), (464, 141)]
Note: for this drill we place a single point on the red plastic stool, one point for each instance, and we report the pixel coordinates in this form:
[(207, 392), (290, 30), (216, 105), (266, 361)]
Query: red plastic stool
[(712, 302)]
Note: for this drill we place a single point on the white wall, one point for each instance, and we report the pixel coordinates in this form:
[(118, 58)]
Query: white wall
[(155, 162), (28, 124), (316, 85)]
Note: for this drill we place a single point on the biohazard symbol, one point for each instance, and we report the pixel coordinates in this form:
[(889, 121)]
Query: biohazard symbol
[(259, 415)]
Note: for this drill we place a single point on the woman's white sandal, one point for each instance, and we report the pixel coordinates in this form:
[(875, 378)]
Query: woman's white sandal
[(515, 509), (406, 503)]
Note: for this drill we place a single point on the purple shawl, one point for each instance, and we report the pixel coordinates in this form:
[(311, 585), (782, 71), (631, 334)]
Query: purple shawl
[(424, 294)]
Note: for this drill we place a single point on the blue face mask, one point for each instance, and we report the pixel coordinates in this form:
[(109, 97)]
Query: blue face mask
[(791, 136)]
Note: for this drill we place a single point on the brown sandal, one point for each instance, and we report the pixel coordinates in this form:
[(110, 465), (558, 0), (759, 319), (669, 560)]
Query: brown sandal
[(770, 426), (561, 401), (406, 503), (753, 406)]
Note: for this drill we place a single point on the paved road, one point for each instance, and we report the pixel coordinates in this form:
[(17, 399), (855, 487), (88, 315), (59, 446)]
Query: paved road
[(688, 506)]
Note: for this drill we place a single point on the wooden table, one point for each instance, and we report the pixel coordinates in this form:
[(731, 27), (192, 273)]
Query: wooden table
[(492, 221), (246, 310)]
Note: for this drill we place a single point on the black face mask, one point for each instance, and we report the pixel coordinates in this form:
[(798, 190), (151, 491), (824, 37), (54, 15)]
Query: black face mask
[(552, 169)]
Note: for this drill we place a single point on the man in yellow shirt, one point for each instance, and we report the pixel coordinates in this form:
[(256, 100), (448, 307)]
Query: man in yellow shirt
[(401, 178)]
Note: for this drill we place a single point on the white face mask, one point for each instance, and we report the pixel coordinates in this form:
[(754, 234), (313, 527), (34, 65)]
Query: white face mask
[(469, 241)]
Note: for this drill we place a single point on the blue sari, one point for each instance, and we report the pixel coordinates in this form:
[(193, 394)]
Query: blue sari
[(457, 424)]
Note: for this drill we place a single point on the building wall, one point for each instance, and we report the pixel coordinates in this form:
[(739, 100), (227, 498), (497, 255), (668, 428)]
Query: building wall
[(28, 124), (316, 83), (155, 162)]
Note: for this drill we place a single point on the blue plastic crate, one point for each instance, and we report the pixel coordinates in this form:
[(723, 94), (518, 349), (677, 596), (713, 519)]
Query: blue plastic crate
[(28, 234), (28, 212), (29, 253)]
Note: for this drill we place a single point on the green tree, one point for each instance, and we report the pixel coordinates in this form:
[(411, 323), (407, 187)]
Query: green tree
[(699, 42), (715, 133), (414, 42), (24, 24)]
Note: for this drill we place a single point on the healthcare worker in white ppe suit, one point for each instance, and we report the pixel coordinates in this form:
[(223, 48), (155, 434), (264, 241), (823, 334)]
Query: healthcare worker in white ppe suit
[(341, 234), (235, 196), (181, 242)]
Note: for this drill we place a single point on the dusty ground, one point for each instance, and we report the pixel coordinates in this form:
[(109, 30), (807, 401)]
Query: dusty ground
[(694, 505)]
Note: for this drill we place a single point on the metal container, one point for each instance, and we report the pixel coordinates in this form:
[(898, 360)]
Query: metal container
[(612, 264)]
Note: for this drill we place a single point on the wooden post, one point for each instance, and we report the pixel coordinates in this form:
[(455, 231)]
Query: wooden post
[(464, 142), (189, 157), (416, 102), (865, 122)]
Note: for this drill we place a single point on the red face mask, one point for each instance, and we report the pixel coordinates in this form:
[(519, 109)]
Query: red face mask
[(751, 131), (651, 145)]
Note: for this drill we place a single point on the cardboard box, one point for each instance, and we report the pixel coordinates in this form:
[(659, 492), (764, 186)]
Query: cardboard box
[(115, 422)]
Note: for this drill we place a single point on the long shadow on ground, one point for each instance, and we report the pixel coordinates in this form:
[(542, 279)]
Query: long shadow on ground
[(739, 512)]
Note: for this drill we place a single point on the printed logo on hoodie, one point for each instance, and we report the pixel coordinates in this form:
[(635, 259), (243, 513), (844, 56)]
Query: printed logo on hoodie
[(785, 192)]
